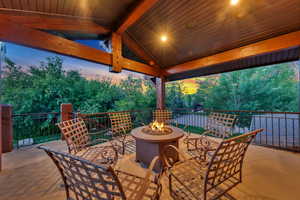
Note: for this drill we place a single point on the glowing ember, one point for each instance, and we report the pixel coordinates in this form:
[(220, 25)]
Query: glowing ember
[(156, 126)]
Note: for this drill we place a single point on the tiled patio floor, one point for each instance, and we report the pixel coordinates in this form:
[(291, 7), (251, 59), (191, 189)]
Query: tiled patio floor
[(269, 174)]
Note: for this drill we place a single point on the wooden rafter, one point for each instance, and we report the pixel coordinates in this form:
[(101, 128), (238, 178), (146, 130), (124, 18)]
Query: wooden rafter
[(137, 49), (133, 16), (267, 46), (16, 33), (45, 22)]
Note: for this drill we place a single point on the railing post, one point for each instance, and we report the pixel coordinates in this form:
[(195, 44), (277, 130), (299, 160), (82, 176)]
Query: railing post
[(65, 110)]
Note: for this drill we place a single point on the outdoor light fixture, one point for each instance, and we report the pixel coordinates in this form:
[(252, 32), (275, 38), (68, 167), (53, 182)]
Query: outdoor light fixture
[(163, 38), (234, 2)]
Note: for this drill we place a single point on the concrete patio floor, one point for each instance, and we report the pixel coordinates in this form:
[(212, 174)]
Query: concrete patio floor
[(28, 174)]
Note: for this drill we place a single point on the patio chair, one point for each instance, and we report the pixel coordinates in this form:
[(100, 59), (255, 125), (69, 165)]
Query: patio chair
[(84, 180), (164, 116), (79, 143), (121, 125), (196, 179), (219, 125)]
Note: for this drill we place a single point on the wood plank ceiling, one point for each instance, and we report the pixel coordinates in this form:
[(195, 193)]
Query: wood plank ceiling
[(195, 28), (104, 12), (199, 28)]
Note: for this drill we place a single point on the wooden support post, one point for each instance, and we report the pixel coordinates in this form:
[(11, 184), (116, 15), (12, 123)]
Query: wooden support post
[(6, 128), (116, 43), (160, 92)]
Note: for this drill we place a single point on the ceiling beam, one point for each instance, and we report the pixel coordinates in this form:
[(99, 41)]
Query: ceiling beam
[(137, 49), (136, 13), (135, 66), (19, 34), (263, 47), (45, 22), (56, 23)]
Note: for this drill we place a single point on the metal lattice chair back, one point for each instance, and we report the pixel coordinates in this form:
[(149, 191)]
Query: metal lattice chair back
[(85, 180), (220, 124), (226, 163), (75, 133), (120, 122), (162, 116)]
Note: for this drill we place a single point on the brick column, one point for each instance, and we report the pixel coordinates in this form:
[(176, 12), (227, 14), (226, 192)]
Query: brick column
[(65, 110), (6, 129)]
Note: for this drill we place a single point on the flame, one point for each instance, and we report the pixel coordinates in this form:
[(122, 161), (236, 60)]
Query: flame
[(157, 126)]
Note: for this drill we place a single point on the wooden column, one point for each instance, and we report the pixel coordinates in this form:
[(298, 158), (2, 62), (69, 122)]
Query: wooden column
[(160, 93), (116, 43), (6, 128)]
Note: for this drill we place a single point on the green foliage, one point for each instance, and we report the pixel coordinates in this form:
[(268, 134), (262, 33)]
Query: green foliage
[(272, 88), (43, 88)]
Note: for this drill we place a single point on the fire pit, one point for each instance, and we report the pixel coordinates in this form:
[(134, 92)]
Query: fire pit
[(157, 128), (150, 141)]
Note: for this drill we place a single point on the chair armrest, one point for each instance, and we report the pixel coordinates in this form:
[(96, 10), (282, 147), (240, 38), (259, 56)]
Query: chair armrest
[(146, 180), (96, 141), (172, 147)]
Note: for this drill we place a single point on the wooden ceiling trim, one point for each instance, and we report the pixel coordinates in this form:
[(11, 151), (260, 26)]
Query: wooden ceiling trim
[(286, 55), (55, 23), (266, 46), (133, 16)]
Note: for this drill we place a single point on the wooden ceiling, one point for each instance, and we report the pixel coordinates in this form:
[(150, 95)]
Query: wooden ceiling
[(200, 28), (104, 12), (201, 33)]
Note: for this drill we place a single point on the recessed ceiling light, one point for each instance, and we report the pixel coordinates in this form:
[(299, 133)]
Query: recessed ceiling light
[(234, 2), (163, 38)]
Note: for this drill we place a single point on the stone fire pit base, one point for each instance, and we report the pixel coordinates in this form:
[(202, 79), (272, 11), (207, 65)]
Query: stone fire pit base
[(149, 146)]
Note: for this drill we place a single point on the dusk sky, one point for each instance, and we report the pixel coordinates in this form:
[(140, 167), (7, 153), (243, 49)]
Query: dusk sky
[(26, 56)]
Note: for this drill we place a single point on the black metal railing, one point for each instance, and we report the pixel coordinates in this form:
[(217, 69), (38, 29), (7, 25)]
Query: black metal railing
[(99, 122), (34, 128), (281, 129)]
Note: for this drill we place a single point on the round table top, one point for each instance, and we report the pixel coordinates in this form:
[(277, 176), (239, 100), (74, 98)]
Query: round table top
[(175, 135)]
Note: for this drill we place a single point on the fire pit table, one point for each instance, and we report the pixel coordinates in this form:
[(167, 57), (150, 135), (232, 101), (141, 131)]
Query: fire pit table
[(150, 143)]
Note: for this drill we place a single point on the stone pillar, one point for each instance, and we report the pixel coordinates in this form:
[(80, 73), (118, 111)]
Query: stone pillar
[(6, 128), (160, 93), (66, 110)]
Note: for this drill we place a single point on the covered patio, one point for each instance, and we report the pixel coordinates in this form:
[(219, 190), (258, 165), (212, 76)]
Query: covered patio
[(167, 40)]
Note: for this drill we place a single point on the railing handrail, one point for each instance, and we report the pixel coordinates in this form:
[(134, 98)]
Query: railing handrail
[(242, 111), (105, 113), (30, 114)]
